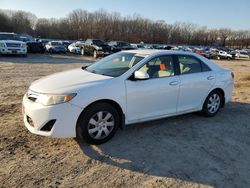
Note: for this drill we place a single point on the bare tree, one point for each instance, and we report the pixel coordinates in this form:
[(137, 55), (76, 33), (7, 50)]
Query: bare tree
[(224, 34), (81, 24)]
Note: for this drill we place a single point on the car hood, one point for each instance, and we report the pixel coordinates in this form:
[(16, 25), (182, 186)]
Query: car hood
[(12, 41), (67, 81)]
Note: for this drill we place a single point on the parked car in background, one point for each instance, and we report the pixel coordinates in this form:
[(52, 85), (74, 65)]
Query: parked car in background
[(96, 48), (224, 55), (128, 87), (138, 46), (65, 43), (117, 46), (10, 44), (243, 54), (74, 49), (43, 41), (79, 43), (35, 47), (240, 54), (203, 53), (55, 47)]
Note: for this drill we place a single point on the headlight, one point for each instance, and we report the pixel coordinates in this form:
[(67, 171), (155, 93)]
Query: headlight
[(50, 99), (2, 45), (97, 47), (23, 45)]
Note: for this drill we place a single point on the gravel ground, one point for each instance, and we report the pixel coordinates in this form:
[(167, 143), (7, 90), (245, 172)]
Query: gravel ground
[(183, 151)]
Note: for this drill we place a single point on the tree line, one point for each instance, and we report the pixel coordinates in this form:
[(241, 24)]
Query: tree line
[(82, 24)]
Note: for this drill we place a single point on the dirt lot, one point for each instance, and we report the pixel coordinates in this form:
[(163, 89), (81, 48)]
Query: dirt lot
[(184, 151)]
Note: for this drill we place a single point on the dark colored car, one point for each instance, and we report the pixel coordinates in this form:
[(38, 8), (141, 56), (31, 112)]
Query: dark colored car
[(35, 47), (117, 46), (43, 41), (65, 44), (95, 47)]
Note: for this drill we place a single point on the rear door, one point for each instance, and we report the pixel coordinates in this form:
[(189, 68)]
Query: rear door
[(196, 79), (87, 46)]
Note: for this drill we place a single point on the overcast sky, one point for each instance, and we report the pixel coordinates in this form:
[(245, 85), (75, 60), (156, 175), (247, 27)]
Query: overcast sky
[(212, 13)]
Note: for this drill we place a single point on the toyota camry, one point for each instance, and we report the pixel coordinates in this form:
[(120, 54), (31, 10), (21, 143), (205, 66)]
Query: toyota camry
[(128, 87)]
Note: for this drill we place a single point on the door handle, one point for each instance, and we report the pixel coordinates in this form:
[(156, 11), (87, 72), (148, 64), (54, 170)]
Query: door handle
[(210, 77), (174, 83)]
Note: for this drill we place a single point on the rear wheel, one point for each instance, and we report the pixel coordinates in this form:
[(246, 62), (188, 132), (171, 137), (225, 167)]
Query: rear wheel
[(98, 123), (212, 104)]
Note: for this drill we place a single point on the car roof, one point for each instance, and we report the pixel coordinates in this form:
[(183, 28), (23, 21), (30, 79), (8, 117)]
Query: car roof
[(8, 33), (147, 52)]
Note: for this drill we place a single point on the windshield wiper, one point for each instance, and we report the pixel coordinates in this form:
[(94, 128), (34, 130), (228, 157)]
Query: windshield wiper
[(84, 67), (92, 71)]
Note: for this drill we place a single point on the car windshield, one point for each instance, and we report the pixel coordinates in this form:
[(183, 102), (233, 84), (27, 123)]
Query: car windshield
[(123, 44), (115, 65), (98, 42), (9, 37), (56, 44)]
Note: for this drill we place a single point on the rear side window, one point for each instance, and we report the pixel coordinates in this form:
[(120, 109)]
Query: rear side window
[(190, 64)]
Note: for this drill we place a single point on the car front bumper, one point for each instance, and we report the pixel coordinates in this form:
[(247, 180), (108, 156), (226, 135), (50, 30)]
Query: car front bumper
[(103, 53), (13, 50), (36, 116)]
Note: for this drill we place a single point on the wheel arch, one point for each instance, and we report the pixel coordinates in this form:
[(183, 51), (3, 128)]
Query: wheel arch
[(221, 91), (115, 104)]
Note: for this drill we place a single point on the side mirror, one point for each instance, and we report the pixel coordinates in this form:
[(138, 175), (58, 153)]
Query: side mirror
[(138, 75)]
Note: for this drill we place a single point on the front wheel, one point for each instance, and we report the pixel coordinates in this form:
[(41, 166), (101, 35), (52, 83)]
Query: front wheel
[(95, 54), (212, 104), (82, 51), (97, 124)]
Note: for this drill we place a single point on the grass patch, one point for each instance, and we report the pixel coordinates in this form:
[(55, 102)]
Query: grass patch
[(246, 78)]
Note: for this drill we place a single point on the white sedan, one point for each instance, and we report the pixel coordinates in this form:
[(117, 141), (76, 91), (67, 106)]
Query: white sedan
[(74, 49), (124, 88)]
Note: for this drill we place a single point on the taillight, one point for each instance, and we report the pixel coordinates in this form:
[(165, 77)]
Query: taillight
[(232, 74)]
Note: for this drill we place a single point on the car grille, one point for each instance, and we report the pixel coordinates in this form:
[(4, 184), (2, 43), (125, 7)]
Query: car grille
[(13, 45)]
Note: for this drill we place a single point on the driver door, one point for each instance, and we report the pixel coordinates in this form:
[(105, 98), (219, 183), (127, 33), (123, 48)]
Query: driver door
[(156, 96)]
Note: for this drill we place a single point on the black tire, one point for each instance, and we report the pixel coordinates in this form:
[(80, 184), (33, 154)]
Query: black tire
[(24, 55), (84, 125), (95, 55), (50, 51), (210, 103)]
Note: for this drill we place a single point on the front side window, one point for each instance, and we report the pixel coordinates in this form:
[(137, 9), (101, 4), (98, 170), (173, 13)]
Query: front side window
[(159, 67), (189, 64), (115, 65)]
